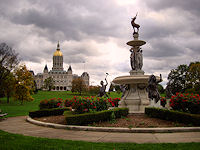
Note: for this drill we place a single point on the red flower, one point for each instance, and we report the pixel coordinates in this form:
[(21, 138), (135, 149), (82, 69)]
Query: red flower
[(58, 104)]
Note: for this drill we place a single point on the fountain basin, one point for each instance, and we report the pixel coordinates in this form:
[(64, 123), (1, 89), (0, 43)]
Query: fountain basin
[(136, 43), (131, 79), (135, 97)]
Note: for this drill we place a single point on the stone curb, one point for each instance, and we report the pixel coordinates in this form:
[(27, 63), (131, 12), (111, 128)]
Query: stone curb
[(112, 129)]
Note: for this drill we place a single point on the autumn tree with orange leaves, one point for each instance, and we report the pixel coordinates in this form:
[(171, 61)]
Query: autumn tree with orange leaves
[(24, 84)]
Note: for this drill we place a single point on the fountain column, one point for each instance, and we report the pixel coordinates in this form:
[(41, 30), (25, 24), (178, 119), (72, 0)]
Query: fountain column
[(135, 97)]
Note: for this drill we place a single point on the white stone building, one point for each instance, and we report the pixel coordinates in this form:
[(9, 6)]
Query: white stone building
[(62, 79)]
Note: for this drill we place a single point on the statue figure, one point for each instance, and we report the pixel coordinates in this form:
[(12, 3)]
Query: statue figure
[(136, 58), (102, 91), (132, 59), (123, 88), (135, 25), (153, 89), (140, 59)]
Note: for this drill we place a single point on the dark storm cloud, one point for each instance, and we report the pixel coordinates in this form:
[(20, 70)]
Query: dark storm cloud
[(76, 19), (154, 29), (188, 5), (67, 20), (193, 45), (84, 29), (189, 9), (163, 48), (34, 55)]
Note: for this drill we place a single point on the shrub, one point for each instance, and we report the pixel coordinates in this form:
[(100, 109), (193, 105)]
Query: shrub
[(186, 102), (87, 118), (113, 102), (163, 101), (50, 103), (172, 115), (47, 112), (87, 104)]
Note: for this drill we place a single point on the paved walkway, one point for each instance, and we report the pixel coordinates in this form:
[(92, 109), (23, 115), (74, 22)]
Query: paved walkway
[(20, 126)]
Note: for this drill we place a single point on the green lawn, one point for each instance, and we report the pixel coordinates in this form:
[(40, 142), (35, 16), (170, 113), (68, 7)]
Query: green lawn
[(14, 108), (20, 142), (16, 141)]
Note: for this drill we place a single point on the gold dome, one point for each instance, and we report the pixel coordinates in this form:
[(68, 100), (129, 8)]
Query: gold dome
[(57, 53)]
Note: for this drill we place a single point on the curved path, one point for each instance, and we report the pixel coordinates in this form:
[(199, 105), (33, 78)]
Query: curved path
[(20, 126)]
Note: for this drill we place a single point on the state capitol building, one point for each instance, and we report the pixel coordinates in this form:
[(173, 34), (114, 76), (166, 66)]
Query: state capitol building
[(62, 79)]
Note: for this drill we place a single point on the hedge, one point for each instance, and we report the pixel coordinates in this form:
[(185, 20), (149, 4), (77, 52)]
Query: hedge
[(47, 112), (87, 118), (172, 115)]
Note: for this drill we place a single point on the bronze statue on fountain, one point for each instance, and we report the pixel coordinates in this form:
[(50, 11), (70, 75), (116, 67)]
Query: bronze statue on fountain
[(152, 88), (137, 26), (135, 97), (102, 91)]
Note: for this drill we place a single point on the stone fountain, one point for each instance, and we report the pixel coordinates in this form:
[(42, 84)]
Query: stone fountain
[(135, 96)]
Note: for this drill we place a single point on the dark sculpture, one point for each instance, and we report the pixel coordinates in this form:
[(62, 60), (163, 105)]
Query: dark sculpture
[(153, 89), (139, 59), (102, 91), (132, 59), (136, 58), (137, 26), (123, 88)]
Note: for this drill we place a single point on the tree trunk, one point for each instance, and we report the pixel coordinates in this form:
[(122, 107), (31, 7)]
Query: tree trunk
[(8, 98)]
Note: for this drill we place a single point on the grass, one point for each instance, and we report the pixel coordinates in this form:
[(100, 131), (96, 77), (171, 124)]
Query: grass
[(14, 108), (20, 142)]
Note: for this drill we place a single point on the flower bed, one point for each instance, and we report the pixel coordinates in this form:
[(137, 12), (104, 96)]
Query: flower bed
[(50, 103), (186, 103), (88, 104), (163, 101), (81, 104)]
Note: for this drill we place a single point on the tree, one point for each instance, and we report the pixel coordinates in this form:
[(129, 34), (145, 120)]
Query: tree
[(8, 61), (78, 85), (177, 79), (9, 83), (24, 84), (193, 77), (94, 90), (49, 83)]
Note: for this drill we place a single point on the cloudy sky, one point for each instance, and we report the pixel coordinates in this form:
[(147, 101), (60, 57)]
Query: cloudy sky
[(93, 34)]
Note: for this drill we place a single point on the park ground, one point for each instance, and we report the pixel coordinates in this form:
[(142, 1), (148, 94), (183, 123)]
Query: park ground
[(16, 141)]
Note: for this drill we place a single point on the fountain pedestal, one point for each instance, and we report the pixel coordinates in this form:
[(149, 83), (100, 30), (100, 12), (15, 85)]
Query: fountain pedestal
[(135, 97)]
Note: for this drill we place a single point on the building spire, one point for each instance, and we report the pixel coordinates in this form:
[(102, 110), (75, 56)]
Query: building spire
[(46, 68), (58, 46)]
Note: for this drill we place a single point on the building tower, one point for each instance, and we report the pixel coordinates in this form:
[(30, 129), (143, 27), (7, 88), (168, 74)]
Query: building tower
[(57, 59), (45, 73), (85, 76), (45, 69)]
